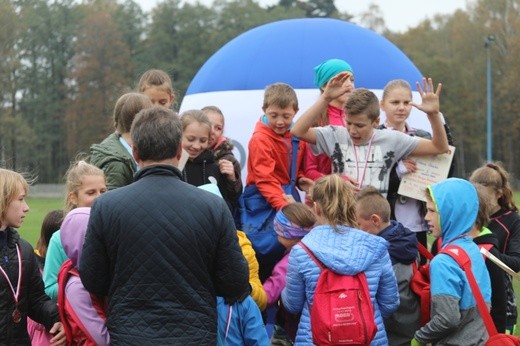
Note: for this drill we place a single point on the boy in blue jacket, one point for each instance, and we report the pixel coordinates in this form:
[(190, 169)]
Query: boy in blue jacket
[(452, 207), (373, 216)]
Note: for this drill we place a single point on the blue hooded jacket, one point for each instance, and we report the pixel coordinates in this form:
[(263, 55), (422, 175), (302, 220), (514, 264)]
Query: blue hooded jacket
[(402, 243), (457, 206), (347, 252)]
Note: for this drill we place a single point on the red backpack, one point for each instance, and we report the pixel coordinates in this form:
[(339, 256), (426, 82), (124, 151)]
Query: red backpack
[(75, 331), (342, 311), (420, 282)]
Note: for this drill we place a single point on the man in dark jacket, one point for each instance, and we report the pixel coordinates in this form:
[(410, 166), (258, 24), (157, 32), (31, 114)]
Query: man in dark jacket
[(160, 249)]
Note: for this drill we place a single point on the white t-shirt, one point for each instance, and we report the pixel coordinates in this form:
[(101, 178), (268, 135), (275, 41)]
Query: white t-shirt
[(370, 163)]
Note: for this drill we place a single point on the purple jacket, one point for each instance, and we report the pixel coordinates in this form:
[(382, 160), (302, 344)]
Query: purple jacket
[(73, 230)]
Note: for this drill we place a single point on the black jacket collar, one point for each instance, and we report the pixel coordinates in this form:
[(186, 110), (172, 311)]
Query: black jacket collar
[(153, 170)]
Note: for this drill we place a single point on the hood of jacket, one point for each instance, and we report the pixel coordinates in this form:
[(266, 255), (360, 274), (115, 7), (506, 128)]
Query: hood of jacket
[(223, 147), (346, 252), (402, 243), (457, 205), (72, 233), (262, 126)]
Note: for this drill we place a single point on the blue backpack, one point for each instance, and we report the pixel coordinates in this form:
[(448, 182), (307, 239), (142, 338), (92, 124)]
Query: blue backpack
[(257, 215)]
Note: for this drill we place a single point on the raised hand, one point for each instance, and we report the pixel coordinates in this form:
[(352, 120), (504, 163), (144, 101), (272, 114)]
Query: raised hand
[(336, 86), (430, 98)]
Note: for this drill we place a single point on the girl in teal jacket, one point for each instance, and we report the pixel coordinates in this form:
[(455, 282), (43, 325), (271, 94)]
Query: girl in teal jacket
[(85, 182)]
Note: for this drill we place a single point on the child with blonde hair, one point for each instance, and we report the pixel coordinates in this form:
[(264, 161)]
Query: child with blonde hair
[(84, 183), (114, 154), (340, 246), (20, 280), (202, 165)]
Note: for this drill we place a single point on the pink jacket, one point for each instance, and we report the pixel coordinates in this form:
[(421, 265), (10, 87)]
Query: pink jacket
[(316, 166), (274, 285)]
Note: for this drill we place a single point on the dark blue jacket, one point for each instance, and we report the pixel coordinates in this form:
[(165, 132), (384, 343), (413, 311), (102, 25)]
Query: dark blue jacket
[(162, 250), (402, 243)]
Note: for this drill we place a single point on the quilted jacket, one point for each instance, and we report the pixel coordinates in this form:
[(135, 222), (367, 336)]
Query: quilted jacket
[(349, 252), (33, 300), (257, 289), (162, 250)]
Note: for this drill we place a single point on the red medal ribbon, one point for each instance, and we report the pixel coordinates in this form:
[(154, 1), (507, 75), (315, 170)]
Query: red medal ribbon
[(16, 315), (360, 182)]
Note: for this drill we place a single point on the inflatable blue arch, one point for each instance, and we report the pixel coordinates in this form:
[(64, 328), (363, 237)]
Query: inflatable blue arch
[(287, 51)]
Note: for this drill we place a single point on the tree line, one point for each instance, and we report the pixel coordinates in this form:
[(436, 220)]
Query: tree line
[(64, 63)]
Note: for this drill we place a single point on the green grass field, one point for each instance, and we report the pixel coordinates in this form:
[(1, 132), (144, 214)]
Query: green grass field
[(39, 207), (31, 227)]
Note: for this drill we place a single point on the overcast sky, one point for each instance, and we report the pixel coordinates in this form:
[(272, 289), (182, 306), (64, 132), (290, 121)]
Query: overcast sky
[(398, 14)]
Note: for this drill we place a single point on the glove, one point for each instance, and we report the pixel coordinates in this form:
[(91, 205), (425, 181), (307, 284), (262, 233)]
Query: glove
[(414, 342)]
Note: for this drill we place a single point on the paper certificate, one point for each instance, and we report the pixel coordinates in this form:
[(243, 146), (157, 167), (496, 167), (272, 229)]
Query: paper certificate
[(182, 161), (430, 170)]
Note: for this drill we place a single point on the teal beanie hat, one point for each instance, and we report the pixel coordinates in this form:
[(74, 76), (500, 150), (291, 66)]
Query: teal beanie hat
[(328, 69)]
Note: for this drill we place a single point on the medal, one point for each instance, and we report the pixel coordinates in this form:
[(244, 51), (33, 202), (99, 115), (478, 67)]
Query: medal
[(360, 181), (17, 316)]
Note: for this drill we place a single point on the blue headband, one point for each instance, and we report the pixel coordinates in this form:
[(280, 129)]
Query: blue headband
[(287, 229), (328, 69)]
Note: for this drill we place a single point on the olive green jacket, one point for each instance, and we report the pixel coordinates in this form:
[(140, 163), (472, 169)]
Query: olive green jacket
[(113, 158)]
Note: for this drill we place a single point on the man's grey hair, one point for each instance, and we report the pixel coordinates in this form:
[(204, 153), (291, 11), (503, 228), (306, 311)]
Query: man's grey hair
[(156, 134)]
